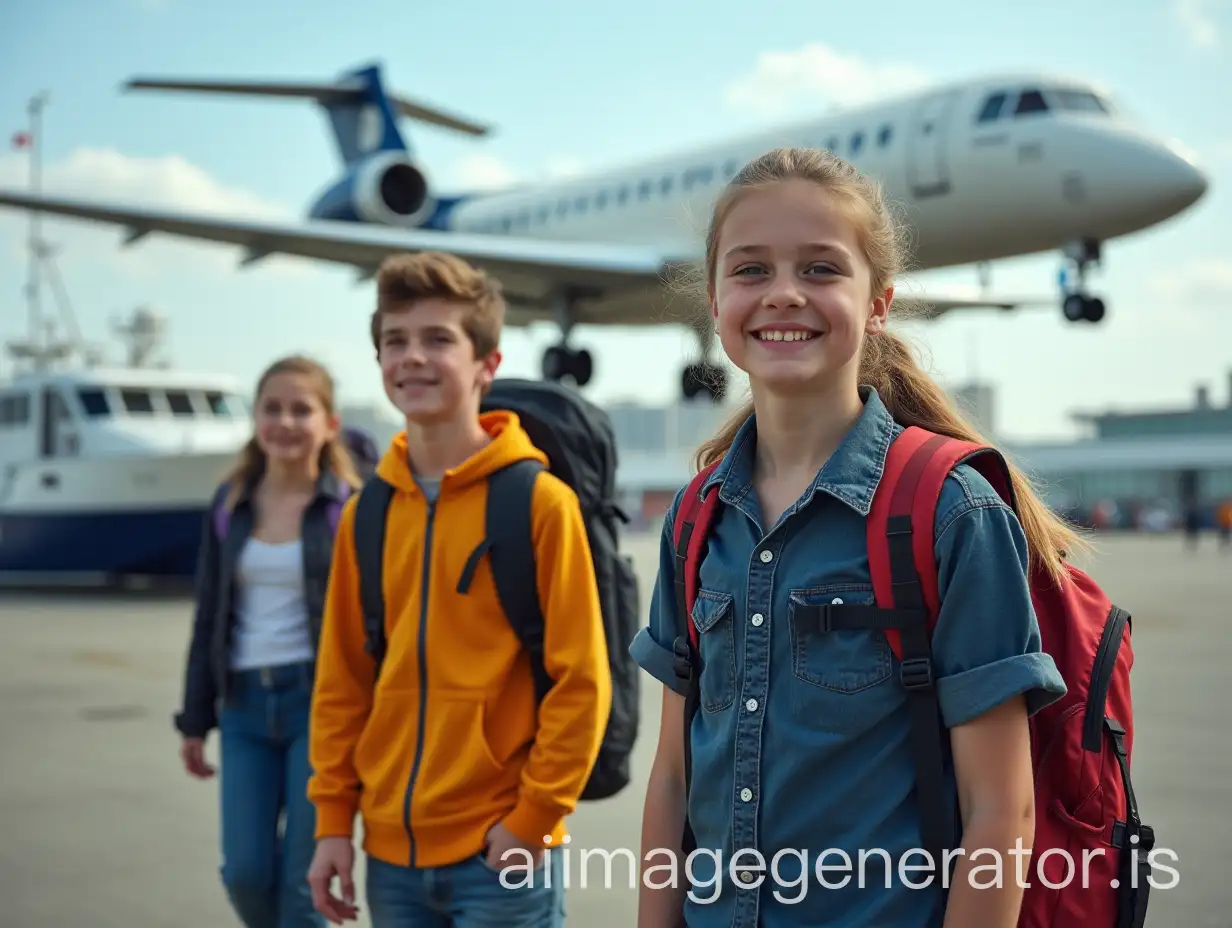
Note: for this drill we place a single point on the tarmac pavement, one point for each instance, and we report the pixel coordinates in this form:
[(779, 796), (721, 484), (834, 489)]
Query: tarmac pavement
[(106, 830)]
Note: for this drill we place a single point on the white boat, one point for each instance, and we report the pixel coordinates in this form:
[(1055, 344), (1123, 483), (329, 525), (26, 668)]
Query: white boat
[(107, 471)]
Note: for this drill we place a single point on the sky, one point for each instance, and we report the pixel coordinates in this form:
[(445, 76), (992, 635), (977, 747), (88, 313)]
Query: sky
[(573, 87)]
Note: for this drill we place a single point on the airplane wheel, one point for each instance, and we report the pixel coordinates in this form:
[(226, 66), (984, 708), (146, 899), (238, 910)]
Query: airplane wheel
[(581, 366), (1075, 307), (1095, 310), (555, 363)]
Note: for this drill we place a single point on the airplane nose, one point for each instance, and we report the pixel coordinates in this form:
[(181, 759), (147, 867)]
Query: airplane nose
[(1175, 180)]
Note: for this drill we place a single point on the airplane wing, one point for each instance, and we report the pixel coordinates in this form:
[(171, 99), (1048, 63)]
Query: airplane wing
[(613, 284)]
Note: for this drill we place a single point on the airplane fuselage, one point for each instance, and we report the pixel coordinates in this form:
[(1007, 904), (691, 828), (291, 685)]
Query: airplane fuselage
[(1052, 165)]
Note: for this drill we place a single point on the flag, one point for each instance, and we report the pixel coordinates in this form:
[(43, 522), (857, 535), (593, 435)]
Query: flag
[(23, 140)]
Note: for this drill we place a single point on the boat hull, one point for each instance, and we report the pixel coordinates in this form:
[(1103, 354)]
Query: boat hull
[(108, 517)]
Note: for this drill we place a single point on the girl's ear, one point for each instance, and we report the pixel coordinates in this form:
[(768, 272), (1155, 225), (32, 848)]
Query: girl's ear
[(880, 313)]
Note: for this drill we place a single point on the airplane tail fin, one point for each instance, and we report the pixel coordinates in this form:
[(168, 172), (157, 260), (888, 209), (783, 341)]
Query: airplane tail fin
[(362, 114)]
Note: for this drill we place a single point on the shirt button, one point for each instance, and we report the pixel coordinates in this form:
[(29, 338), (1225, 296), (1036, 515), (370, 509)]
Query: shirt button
[(746, 876), (766, 557), (758, 618), (746, 794), (751, 705)]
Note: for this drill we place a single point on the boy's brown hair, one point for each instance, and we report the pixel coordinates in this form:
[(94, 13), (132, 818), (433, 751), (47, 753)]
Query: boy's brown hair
[(404, 279)]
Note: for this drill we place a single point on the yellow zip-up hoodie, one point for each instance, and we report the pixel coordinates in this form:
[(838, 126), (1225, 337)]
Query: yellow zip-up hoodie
[(450, 741)]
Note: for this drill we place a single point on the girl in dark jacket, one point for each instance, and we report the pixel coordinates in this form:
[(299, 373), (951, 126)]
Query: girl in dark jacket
[(261, 580)]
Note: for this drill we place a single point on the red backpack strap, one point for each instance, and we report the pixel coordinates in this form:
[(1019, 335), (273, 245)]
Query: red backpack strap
[(692, 526), (694, 517), (901, 522)]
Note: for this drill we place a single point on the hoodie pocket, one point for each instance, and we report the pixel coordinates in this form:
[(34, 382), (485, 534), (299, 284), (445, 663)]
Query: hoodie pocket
[(458, 767)]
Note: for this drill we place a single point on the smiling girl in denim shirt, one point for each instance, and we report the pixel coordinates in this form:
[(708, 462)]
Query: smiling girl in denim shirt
[(802, 740)]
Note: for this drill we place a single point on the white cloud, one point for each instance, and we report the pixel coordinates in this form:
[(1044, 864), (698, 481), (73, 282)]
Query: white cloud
[(817, 74), (1200, 284), (167, 182), (1197, 21)]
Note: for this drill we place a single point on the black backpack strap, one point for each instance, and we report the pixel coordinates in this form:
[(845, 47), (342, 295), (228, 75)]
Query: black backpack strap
[(510, 548), (371, 511)]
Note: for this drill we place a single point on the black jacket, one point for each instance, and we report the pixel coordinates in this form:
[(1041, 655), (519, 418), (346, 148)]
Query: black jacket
[(205, 678)]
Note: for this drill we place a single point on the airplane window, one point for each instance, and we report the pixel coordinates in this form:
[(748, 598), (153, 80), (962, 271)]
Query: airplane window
[(601, 199), (623, 194), (1078, 101), (665, 186), (643, 190), (857, 142), (137, 401), (579, 205), (562, 208), (1031, 101), (884, 135), (730, 167), (832, 145), (179, 402), (543, 214), (93, 401), (991, 108)]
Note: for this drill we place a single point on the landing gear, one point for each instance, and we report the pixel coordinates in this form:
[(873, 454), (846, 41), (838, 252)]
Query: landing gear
[(704, 376), (561, 361), (1076, 304)]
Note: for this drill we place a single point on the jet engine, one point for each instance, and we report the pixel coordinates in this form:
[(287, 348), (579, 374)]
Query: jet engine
[(386, 189)]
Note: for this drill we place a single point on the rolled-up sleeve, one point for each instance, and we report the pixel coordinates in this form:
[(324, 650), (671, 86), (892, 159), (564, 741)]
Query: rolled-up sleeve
[(652, 645), (986, 646)]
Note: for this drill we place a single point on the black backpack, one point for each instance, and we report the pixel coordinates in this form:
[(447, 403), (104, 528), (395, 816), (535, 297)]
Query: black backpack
[(578, 439)]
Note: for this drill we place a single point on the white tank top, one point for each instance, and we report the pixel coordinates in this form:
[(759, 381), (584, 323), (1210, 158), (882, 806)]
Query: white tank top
[(271, 614)]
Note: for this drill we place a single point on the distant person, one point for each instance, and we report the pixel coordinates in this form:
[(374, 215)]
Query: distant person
[(460, 782), (802, 736), (1223, 520), (264, 565)]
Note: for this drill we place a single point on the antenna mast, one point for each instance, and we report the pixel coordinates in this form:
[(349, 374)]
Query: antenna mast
[(41, 354)]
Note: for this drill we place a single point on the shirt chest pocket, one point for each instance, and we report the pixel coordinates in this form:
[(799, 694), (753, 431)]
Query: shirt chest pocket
[(714, 617), (845, 661)]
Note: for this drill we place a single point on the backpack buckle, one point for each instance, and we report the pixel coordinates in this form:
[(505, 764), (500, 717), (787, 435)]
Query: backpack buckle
[(917, 673), (682, 658)]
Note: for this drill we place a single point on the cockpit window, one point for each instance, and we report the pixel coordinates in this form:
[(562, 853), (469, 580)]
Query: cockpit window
[(179, 402), (1078, 101), (1031, 101)]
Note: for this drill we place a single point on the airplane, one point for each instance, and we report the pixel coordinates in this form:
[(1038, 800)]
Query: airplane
[(988, 168)]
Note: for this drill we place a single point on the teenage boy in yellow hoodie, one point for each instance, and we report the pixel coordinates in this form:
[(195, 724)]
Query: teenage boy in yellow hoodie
[(457, 774)]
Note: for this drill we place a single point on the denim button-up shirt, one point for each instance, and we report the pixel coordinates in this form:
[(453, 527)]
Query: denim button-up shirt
[(801, 743)]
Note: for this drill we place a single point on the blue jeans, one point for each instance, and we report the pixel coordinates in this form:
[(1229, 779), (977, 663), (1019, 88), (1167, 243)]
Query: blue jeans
[(468, 894), (263, 728)]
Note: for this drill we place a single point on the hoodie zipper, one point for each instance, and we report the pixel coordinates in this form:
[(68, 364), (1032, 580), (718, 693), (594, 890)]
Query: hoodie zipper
[(423, 677)]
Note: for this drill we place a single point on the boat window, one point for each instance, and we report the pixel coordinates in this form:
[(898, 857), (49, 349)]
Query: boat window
[(180, 403), (1078, 101), (1031, 101), (14, 409), (93, 401), (991, 109), (225, 405), (136, 401)]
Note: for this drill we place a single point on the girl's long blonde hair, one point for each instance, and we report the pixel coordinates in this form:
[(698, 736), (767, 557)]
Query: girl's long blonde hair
[(886, 362), (334, 458)]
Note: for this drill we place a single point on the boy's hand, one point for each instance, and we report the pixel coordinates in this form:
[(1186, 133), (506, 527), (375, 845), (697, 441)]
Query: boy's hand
[(501, 840), (333, 857)]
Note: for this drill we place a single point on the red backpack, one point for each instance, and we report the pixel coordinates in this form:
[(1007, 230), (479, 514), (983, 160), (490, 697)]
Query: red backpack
[(1086, 812)]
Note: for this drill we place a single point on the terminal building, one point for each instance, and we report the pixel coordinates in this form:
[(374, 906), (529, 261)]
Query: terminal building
[(1130, 468)]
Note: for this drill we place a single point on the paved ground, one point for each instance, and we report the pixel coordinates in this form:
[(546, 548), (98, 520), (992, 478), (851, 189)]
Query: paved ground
[(104, 829)]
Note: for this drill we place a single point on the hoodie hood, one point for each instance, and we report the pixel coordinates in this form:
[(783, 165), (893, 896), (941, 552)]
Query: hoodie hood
[(509, 443)]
